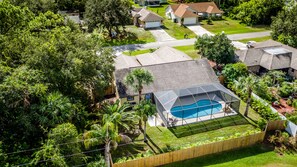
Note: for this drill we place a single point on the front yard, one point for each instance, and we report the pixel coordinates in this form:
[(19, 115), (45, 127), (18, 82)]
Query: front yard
[(189, 50), (230, 26), (258, 155), (135, 36), (259, 39)]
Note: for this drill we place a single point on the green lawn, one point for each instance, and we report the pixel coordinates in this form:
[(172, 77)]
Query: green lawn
[(256, 156), (230, 26), (189, 50), (253, 116), (135, 36), (260, 39)]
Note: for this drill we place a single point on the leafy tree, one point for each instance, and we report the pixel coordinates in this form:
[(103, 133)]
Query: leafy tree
[(62, 141), (137, 78), (106, 131), (37, 6), (277, 76), (145, 109), (216, 48), (13, 18), (233, 71), (257, 11), (109, 15), (284, 26), (247, 85)]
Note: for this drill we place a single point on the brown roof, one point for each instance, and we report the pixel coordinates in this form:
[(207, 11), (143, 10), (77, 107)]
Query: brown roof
[(146, 15), (183, 12), (204, 7)]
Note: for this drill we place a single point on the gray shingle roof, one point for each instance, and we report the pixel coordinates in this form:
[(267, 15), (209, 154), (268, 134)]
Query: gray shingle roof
[(270, 54), (162, 55), (170, 76)]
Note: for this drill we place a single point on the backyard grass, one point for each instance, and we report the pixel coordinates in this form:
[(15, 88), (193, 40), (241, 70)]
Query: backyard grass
[(189, 50), (260, 39), (256, 156), (135, 36), (230, 26), (253, 116)]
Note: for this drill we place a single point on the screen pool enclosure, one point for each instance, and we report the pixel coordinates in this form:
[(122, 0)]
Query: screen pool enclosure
[(199, 103)]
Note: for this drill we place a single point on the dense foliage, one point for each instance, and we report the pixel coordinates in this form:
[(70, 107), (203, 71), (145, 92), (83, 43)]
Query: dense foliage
[(284, 26), (108, 15), (50, 74), (216, 48), (255, 12), (232, 72)]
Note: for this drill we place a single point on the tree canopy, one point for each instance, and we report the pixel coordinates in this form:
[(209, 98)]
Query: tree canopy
[(255, 12), (51, 73), (284, 26), (216, 48), (108, 15)]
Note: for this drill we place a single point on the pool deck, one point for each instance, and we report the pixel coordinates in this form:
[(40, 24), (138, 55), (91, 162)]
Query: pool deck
[(157, 121)]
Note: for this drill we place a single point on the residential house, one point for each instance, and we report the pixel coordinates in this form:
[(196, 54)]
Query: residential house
[(146, 19), (180, 88), (269, 55), (150, 2), (171, 69), (189, 13)]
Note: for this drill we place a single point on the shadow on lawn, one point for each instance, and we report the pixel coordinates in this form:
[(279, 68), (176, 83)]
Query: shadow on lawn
[(124, 39), (204, 126), (225, 156)]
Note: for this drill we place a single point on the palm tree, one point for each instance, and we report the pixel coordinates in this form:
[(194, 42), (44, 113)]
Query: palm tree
[(137, 78), (106, 131), (144, 109), (247, 84), (277, 76)]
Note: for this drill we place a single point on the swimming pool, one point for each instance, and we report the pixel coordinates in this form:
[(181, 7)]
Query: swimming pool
[(206, 107)]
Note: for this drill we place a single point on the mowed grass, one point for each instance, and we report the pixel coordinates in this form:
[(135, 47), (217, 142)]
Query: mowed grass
[(230, 26), (189, 50), (256, 156), (260, 39), (135, 36)]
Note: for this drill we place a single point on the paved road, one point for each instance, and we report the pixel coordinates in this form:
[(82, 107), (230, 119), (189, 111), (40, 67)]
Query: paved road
[(249, 35), (161, 35), (185, 42)]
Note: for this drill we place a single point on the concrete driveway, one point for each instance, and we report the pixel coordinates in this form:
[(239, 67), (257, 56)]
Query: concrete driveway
[(161, 35), (198, 30)]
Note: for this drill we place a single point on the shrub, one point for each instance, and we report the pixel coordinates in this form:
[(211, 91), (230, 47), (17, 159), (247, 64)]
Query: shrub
[(286, 90), (292, 117)]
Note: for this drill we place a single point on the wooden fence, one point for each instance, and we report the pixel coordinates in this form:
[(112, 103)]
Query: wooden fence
[(180, 155), (276, 125)]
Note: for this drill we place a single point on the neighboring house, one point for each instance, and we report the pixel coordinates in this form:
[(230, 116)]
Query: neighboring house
[(150, 2), (189, 13), (75, 17), (146, 19), (270, 55)]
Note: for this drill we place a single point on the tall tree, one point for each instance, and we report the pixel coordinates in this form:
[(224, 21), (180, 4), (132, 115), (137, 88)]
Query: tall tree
[(137, 78), (144, 110), (257, 11), (233, 71), (216, 48), (284, 25), (109, 15), (247, 84), (106, 130)]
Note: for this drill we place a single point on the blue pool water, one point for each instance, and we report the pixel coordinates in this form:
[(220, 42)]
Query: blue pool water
[(206, 107)]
